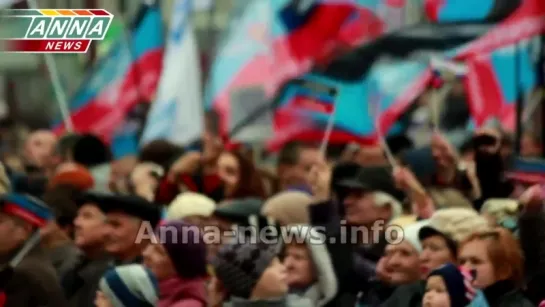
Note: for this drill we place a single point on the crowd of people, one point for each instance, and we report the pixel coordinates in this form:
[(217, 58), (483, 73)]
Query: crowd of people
[(80, 229)]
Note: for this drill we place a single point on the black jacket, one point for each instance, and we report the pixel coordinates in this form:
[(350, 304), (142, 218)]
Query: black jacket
[(410, 295), (532, 241), (353, 269), (33, 283), (505, 294)]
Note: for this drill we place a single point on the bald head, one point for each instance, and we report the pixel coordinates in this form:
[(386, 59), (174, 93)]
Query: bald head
[(39, 147)]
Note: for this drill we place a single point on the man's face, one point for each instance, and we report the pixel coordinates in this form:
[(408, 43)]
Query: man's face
[(371, 156), (361, 210), (13, 233), (89, 227), (402, 263), (39, 148), (298, 263), (122, 233), (297, 174), (529, 148)]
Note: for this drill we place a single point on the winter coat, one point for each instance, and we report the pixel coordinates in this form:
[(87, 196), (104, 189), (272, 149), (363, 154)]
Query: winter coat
[(33, 283)]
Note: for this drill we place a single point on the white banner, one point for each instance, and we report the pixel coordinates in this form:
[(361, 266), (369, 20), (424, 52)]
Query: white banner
[(177, 112)]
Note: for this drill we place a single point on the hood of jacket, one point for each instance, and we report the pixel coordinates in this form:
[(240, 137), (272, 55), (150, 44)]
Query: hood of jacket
[(325, 289), (176, 290)]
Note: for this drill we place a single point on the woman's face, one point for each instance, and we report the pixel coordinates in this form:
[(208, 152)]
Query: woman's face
[(102, 301), (435, 253), (228, 170), (157, 260), (436, 293), (474, 256)]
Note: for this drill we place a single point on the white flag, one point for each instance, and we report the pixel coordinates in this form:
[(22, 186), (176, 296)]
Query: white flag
[(177, 112)]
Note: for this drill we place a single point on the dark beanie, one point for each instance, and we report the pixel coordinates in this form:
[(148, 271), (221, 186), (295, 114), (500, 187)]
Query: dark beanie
[(458, 282), (239, 266), (185, 246), (90, 151)]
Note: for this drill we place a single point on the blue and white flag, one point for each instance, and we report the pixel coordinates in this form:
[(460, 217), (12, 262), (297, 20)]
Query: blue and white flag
[(177, 112)]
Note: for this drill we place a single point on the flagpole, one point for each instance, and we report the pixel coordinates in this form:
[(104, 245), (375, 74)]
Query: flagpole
[(55, 80), (520, 100), (328, 130)]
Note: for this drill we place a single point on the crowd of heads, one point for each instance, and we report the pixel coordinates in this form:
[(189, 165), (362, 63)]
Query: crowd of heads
[(141, 226)]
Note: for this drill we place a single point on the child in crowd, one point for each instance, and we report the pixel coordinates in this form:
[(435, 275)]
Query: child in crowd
[(450, 286)]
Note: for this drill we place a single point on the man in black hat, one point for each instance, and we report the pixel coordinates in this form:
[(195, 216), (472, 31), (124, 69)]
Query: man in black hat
[(90, 229), (128, 217), (356, 195)]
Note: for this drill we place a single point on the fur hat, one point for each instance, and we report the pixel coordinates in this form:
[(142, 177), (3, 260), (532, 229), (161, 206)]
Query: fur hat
[(288, 207), (454, 224), (190, 204)]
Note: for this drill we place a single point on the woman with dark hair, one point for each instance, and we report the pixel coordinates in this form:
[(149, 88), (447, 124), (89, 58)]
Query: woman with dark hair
[(239, 176)]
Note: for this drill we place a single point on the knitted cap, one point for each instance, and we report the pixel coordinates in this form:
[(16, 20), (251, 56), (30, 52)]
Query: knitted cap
[(458, 282), (239, 266), (129, 285), (185, 246), (74, 175), (27, 208), (89, 150)]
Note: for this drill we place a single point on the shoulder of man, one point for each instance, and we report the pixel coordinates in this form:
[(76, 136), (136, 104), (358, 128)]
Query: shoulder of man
[(40, 279)]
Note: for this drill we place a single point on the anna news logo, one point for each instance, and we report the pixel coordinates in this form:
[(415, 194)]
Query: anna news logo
[(55, 31)]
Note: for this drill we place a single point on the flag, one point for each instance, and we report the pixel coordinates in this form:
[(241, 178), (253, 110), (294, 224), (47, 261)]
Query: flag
[(444, 11), (114, 34), (388, 89), (501, 64), (122, 81), (268, 44), (177, 113)]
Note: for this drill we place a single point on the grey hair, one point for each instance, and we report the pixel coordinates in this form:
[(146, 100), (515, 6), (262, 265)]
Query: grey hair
[(382, 199)]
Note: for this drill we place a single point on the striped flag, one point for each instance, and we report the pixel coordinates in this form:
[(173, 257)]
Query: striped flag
[(177, 112), (118, 89)]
